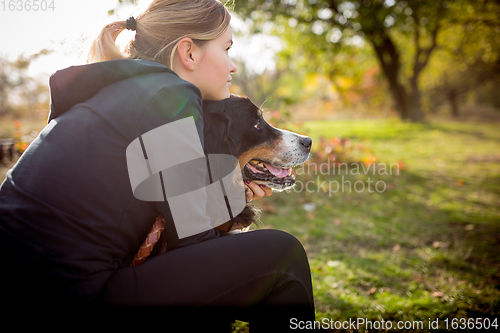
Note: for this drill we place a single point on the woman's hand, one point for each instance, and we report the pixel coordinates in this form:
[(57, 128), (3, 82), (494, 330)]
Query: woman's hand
[(255, 191)]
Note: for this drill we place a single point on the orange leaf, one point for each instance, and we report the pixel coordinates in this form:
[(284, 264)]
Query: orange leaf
[(335, 140)]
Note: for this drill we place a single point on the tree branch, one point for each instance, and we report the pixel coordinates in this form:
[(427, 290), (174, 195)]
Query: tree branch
[(426, 52), (419, 65)]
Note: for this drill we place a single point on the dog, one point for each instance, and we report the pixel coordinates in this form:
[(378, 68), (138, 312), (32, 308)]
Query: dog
[(266, 154)]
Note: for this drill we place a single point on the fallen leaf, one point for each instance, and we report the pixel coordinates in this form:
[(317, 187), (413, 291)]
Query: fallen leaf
[(438, 244), (309, 206), (268, 207), (333, 263), (416, 278), (401, 166)]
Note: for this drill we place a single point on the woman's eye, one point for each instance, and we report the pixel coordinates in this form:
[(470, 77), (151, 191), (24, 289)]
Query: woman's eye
[(257, 126), (227, 50)]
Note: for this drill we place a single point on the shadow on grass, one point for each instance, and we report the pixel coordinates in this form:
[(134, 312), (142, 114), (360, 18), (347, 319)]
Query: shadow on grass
[(465, 131), (408, 253)]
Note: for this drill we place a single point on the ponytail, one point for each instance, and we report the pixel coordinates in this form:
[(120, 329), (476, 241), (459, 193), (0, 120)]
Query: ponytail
[(104, 46), (161, 27)]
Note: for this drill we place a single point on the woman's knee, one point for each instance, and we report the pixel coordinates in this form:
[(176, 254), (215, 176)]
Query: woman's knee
[(282, 239), (288, 258), (280, 249)]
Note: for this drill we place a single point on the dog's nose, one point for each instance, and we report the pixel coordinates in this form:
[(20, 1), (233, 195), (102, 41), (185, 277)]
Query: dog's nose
[(306, 142)]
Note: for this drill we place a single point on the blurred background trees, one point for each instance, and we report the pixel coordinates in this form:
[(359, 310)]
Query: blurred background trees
[(20, 94), (336, 58), (426, 52)]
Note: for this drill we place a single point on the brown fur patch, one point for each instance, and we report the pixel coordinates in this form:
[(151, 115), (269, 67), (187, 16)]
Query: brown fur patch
[(266, 151)]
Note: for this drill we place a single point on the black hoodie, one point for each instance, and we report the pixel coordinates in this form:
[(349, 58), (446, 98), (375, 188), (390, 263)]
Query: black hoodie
[(68, 201)]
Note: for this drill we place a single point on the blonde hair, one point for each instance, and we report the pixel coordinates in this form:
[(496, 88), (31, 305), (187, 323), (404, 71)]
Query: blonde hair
[(160, 29)]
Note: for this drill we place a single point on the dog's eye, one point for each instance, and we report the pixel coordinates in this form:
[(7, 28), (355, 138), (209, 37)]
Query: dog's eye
[(257, 126)]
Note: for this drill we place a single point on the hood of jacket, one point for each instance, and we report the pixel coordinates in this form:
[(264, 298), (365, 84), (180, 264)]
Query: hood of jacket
[(76, 84)]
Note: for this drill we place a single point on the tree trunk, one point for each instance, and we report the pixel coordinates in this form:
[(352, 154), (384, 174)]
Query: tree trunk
[(388, 59), (453, 99), (415, 109), (408, 104)]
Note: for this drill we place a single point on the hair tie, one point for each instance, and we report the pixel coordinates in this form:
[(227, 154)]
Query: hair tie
[(131, 24)]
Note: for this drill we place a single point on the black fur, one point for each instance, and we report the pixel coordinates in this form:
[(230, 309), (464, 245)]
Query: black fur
[(229, 129)]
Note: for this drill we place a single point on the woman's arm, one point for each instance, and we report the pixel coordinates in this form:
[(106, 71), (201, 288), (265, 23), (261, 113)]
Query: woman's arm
[(171, 135)]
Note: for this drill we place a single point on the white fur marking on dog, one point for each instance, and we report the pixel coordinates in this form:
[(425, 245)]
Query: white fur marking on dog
[(289, 151)]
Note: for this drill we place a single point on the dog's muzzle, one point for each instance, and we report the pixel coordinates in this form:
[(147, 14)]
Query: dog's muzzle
[(279, 178)]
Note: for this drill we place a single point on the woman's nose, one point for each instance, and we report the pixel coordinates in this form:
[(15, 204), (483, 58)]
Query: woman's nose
[(233, 67)]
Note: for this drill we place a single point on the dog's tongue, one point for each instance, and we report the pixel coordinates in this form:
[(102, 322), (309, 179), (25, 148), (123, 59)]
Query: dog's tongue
[(276, 171)]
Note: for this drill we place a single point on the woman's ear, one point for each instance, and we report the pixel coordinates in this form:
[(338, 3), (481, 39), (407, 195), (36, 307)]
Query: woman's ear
[(188, 53), (185, 53)]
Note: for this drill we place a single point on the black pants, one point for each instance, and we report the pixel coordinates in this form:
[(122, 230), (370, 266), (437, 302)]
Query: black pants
[(261, 277)]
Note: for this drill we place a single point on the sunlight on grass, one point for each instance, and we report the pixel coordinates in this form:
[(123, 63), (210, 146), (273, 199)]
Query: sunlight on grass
[(424, 244), (425, 247)]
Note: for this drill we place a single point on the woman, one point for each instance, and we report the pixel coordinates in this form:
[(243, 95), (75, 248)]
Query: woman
[(69, 222)]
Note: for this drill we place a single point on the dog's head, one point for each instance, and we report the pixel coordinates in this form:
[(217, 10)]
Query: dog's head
[(267, 154)]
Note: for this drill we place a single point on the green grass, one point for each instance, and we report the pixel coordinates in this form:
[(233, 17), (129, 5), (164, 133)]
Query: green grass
[(426, 247)]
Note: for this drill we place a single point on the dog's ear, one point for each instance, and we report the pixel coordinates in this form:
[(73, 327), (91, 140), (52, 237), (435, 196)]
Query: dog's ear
[(216, 121), (217, 128)]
